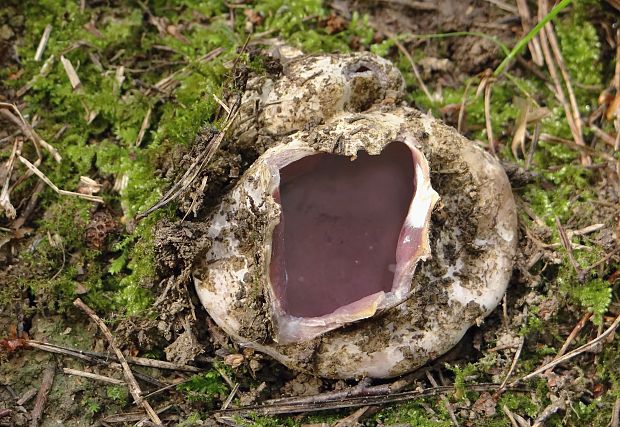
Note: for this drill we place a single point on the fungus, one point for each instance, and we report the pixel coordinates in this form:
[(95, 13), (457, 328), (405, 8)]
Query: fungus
[(314, 257)]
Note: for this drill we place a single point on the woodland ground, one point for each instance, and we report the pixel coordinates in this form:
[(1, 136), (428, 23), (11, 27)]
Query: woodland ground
[(121, 99)]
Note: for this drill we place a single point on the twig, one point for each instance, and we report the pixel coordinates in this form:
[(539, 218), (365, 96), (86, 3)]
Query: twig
[(513, 366), (444, 399), (231, 396), (92, 376), (414, 67), (571, 354), (284, 407), (91, 356), (45, 179), (132, 384), (415, 5), (32, 204), (578, 327), (46, 386), (43, 42)]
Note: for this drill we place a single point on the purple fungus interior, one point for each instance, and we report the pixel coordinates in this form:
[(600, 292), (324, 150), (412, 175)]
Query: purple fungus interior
[(339, 228)]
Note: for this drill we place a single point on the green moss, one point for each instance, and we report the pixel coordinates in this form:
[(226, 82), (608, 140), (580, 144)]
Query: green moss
[(414, 414), (205, 387)]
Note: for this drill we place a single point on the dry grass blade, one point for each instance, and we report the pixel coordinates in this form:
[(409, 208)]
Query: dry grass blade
[(74, 79), (43, 42), (414, 67), (27, 130), (576, 352), (578, 327), (132, 384), (5, 201), (197, 165), (518, 139), (488, 84), (45, 179), (526, 22), (559, 91)]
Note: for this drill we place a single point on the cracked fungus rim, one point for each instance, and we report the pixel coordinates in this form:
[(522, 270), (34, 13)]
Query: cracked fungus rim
[(411, 246)]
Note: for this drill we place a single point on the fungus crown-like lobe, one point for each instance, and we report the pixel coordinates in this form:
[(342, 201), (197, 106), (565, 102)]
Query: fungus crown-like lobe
[(340, 225)]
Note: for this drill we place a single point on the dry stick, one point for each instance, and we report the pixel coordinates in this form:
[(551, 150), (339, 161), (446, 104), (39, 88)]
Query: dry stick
[(526, 23), (95, 357), (44, 38), (284, 407), (45, 179), (46, 386), (571, 354), (513, 365), (32, 204), (132, 384), (92, 376), (414, 67), (578, 327), (542, 11), (444, 399)]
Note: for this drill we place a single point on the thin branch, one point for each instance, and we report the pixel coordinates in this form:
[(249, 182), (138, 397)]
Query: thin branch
[(46, 385), (284, 407), (92, 376), (576, 352), (132, 384), (578, 327)]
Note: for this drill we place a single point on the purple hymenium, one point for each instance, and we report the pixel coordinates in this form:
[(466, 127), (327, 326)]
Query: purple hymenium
[(349, 236)]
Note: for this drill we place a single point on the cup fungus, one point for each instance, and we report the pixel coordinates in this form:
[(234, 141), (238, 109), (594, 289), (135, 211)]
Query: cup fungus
[(316, 254)]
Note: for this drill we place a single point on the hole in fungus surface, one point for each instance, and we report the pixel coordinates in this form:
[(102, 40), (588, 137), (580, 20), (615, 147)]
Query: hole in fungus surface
[(339, 228)]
